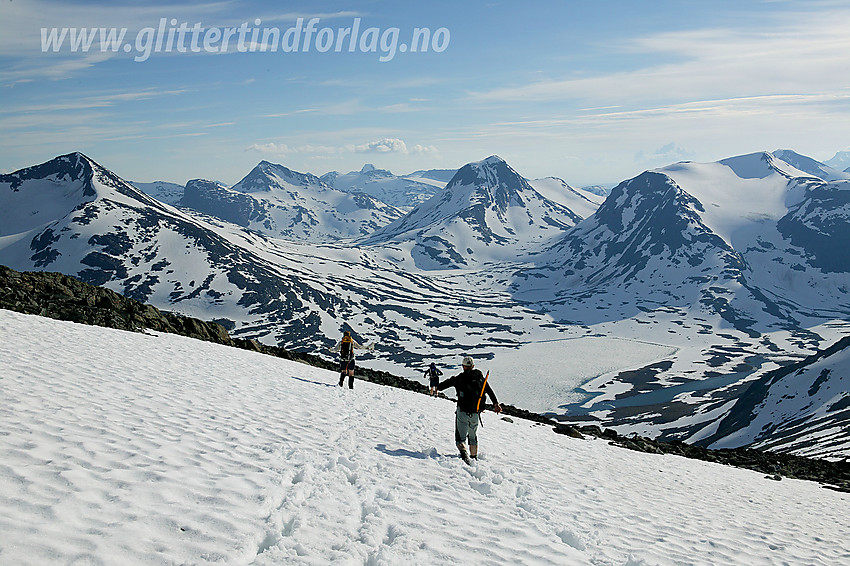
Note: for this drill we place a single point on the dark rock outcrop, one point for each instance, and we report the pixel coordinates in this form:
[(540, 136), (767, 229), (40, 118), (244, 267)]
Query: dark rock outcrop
[(62, 297)]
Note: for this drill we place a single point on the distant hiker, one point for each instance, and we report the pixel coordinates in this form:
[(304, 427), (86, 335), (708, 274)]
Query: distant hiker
[(471, 386), (433, 374), (346, 348)]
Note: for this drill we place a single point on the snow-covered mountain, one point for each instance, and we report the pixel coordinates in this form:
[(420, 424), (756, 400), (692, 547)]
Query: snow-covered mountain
[(216, 199), (752, 225), (73, 216), (841, 160), (403, 192), (163, 191), (282, 203), (486, 213), (599, 190), (695, 279), (811, 166), (743, 246), (439, 175)]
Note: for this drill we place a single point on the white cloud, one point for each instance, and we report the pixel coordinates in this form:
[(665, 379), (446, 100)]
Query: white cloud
[(381, 146), (423, 150), (99, 100), (270, 148), (386, 145), (53, 68), (21, 25), (670, 153), (806, 55)]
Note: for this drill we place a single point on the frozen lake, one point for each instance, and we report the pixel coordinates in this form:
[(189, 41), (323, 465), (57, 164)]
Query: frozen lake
[(541, 376)]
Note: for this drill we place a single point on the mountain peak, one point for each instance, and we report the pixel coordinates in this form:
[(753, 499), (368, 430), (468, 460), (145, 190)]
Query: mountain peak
[(75, 160), (487, 210), (809, 165), (492, 161), (493, 173), (840, 160), (75, 166), (761, 165), (371, 172), (267, 175)]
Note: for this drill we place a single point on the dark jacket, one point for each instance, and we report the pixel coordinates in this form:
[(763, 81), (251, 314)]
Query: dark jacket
[(466, 398), (433, 374)]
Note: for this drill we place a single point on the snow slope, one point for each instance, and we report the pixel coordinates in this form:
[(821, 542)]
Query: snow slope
[(127, 448), (582, 202), (163, 191), (802, 409)]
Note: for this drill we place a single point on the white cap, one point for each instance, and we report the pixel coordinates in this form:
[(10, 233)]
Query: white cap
[(467, 362)]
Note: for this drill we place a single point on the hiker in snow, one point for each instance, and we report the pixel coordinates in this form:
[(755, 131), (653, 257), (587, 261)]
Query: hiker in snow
[(471, 386), (433, 374), (346, 348)]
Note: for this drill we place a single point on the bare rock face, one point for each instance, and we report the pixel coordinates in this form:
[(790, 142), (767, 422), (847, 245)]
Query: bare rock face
[(63, 297)]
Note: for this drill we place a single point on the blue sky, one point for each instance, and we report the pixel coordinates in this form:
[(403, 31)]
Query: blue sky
[(592, 92)]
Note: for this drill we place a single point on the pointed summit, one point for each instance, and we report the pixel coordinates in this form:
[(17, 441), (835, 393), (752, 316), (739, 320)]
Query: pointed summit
[(72, 166), (267, 176), (487, 212), (492, 181), (46, 192)]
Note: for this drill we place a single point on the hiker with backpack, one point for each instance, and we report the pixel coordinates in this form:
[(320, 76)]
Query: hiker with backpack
[(471, 386), (346, 348), (433, 374)]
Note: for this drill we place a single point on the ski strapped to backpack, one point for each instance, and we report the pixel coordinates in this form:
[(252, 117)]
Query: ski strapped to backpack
[(480, 406)]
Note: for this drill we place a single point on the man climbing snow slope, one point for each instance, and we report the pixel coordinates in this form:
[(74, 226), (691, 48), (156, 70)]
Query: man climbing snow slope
[(471, 386)]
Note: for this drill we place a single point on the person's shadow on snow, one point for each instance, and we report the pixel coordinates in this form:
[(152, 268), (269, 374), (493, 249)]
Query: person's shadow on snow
[(432, 453), (313, 382)]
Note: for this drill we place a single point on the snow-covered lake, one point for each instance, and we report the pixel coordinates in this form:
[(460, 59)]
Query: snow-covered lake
[(542, 376), (124, 448)]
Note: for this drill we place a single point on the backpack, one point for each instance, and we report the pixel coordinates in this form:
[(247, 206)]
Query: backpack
[(346, 348), (471, 392)]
